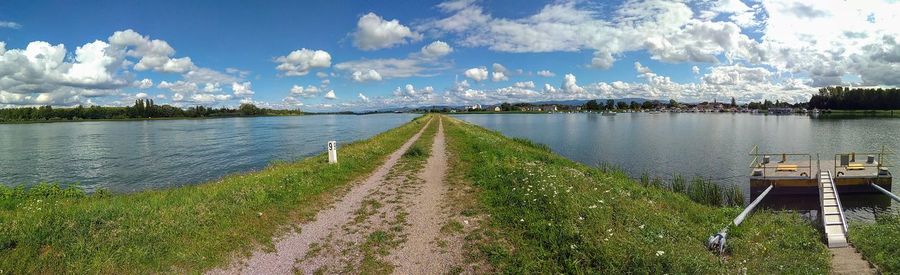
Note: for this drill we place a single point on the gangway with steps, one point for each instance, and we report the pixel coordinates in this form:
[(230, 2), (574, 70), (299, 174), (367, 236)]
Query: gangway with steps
[(833, 219)]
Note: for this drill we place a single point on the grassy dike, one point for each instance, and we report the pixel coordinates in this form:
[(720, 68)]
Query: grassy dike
[(546, 214), (879, 242), (51, 230)]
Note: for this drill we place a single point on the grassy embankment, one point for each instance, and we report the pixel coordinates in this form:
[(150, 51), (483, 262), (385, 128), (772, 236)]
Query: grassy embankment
[(546, 214), (879, 242), (53, 230)]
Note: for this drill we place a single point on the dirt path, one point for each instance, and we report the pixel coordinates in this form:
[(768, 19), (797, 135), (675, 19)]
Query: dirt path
[(295, 245), (846, 260), (423, 252)]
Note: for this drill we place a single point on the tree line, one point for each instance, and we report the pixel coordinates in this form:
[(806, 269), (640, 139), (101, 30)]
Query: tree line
[(142, 108), (845, 98)]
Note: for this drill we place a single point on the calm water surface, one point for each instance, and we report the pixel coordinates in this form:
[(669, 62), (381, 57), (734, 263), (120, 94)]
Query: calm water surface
[(126, 156), (709, 145)]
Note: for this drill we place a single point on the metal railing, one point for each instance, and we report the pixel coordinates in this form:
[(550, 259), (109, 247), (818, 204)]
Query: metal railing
[(880, 162), (755, 163)]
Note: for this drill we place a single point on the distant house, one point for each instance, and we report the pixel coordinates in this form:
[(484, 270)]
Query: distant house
[(497, 109), (780, 111)]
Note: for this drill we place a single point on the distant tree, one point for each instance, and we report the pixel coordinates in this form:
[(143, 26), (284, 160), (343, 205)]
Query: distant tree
[(610, 104), (733, 103), (635, 106), (673, 103), (622, 105), (591, 105)]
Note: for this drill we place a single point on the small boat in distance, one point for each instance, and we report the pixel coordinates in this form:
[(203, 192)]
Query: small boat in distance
[(608, 113)]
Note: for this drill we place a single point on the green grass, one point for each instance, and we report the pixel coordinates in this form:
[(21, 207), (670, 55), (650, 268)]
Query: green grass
[(547, 214), (193, 228), (879, 242)]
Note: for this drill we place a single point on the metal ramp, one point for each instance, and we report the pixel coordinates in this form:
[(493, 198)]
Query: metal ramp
[(832, 212)]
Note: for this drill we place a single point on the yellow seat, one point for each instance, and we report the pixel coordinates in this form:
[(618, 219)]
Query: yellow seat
[(856, 166), (786, 168)]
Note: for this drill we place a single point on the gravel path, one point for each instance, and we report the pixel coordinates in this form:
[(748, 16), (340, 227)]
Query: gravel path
[(295, 245), (421, 254)]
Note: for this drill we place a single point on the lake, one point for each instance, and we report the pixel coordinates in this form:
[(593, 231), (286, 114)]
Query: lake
[(127, 156), (711, 145)]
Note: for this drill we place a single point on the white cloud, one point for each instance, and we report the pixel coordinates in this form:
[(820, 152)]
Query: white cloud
[(161, 96), (695, 70), (477, 74), (570, 85), (370, 75), (330, 95), (546, 73), (527, 85), (498, 67), (299, 62), (498, 76), (10, 25), (242, 89), (144, 84), (363, 97), (436, 49), (141, 95), (154, 54), (373, 32), (308, 92)]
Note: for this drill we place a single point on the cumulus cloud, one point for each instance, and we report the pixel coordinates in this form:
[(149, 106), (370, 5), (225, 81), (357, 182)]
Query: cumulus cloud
[(436, 49), (373, 32), (498, 76), (330, 95), (370, 75), (308, 92), (477, 74), (143, 84), (363, 97), (141, 95), (570, 85), (242, 89), (527, 84), (546, 73), (154, 54), (695, 70), (300, 62)]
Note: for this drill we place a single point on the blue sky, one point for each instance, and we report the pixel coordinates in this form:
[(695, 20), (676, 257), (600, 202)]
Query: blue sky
[(222, 53)]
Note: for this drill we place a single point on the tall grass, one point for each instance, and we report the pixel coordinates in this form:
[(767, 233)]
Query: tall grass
[(879, 241)]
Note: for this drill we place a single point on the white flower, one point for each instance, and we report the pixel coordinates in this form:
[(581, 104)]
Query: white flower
[(580, 218), (592, 206), (521, 220), (642, 226), (660, 253), (572, 246)]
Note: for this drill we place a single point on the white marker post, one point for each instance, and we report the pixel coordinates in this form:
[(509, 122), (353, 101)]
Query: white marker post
[(332, 152)]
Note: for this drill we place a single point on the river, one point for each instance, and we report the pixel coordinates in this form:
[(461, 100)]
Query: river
[(127, 156)]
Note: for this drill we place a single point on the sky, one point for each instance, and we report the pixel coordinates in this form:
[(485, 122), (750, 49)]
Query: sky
[(369, 55)]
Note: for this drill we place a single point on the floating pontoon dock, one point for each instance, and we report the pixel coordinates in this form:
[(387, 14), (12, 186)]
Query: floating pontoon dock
[(795, 173)]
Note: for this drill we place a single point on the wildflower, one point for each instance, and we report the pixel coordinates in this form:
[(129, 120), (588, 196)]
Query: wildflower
[(521, 220), (572, 246), (660, 253), (580, 218), (466, 222), (592, 206), (642, 226)]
